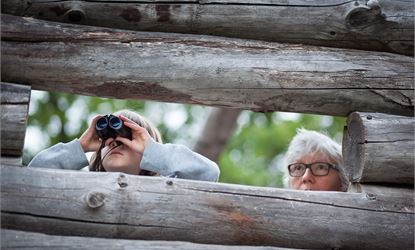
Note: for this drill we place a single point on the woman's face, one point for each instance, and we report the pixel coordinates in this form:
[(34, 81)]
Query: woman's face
[(308, 181), (120, 158)]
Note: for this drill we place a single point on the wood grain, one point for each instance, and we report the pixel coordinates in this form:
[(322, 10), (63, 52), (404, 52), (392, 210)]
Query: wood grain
[(115, 205), (213, 71)]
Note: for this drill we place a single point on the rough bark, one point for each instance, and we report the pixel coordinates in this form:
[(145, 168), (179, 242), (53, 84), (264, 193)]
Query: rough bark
[(205, 70), (115, 205), (218, 129), (379, 148), (14, 113), (385, 25)]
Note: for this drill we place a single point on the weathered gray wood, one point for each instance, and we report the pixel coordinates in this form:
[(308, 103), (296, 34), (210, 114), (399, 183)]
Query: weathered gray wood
[(12, 239), (379, 148), (392, 193), (397, 191), (14, 113), (206, 70), (217, 131), (7, 160), (388, 26), (114, 205)]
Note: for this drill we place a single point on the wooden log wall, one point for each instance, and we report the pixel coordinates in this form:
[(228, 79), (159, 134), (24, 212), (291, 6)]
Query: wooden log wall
[(212, 71), (14, 110), (12, 239), (379, 148), (115, 205), (384, 25)]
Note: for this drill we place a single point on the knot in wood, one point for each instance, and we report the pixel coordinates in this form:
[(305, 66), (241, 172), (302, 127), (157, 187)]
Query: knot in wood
[(362, 16), (75, 14), (373, 4), (122, 181), (95, 199), (370, 196)]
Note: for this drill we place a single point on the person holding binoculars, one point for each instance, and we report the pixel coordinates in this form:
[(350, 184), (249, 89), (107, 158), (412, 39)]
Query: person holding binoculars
[(127, 142)]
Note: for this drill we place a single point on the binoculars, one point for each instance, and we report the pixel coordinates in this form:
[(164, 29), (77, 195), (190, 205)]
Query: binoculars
[(110, 126)]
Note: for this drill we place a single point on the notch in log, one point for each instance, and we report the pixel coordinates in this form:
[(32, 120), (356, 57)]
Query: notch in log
[(379, 148)]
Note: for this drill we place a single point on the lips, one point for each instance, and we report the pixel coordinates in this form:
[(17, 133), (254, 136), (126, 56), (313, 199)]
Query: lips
[(116, 152)]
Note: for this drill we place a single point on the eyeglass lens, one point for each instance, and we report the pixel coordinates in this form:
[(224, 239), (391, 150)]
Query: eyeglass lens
[(317, 169)]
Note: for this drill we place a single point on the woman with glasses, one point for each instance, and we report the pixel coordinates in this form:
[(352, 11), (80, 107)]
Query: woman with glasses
[(314, 162)]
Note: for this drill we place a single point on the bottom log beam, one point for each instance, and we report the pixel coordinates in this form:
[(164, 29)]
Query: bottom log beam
[(11, 239), (116, 205)]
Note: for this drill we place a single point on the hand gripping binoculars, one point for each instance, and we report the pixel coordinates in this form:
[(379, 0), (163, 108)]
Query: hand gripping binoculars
[(110, 126)]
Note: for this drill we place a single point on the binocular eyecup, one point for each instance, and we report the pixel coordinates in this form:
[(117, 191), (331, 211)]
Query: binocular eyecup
[(110, 126)]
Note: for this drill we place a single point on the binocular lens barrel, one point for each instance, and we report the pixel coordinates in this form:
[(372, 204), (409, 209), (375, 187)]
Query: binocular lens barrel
[(115, 122), (110, 126), (102, 123)]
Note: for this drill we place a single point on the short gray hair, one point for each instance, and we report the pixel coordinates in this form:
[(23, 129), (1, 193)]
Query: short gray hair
[(307, 142)]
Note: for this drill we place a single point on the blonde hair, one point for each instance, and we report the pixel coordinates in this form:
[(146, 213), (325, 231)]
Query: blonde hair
[(142, 122)]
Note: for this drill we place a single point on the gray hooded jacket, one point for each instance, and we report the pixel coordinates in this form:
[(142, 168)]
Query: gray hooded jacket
[(166, 159)]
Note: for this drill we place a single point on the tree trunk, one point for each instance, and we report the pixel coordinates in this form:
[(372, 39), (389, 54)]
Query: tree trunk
[(379, 148), (204, 70), (218, 129), (14, 110), (385, 25), (116, 205)]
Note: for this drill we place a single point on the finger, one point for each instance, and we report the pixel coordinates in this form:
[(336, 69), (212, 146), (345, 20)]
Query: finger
[(124, 141), (109, 141), (95, 119), (134, 126)]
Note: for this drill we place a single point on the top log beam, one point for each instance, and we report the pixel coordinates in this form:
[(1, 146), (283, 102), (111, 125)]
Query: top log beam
[(384, 25), (213, 71)]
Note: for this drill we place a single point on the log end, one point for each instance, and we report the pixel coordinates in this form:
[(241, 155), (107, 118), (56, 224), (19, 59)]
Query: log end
[(354, 146)]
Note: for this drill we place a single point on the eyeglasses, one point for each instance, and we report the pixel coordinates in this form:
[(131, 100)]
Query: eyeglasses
[(317, 169)]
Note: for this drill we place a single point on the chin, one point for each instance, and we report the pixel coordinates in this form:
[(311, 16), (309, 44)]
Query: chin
[(115, 168)]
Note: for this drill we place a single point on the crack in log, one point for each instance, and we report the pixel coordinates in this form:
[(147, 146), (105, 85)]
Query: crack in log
[(392, 99), (391, 141), (86, 221), (206, 2), (302, 201), (299, 88)]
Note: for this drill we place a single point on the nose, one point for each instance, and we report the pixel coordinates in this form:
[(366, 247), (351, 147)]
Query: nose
[(110, 142), (308, 177)]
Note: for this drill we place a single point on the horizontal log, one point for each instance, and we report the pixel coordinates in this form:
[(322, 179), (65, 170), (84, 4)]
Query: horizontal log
[(14, 114), (116, 205), (384, 25), (379, 148), (12, 239), (222, 72), (10, 160), (400, 192)]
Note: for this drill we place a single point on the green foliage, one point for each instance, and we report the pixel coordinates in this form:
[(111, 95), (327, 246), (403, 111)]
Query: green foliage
[(254, 153)]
